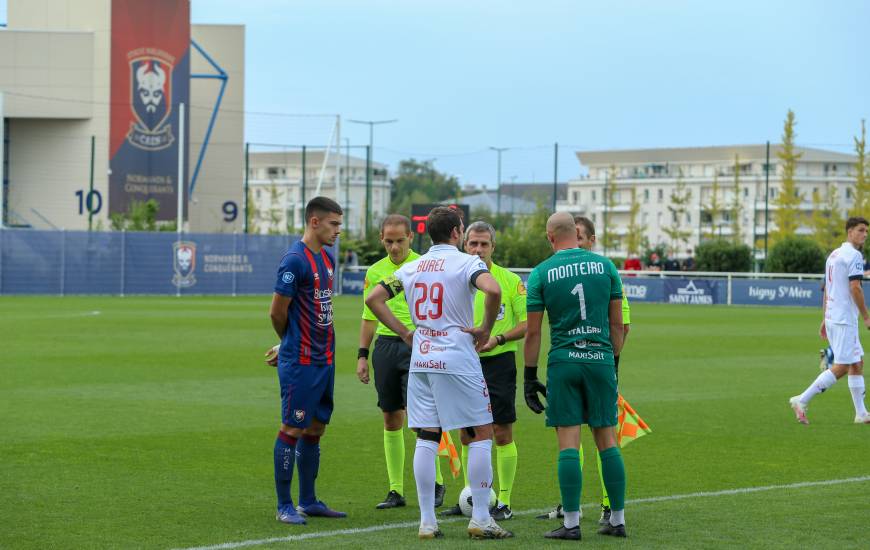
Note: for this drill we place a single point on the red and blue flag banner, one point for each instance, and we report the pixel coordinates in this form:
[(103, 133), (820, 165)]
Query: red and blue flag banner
[(150, 77)]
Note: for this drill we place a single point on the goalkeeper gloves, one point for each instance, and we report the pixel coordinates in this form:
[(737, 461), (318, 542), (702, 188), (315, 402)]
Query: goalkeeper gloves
[(531, 387)]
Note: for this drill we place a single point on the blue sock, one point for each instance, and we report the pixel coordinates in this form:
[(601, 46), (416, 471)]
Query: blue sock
[(308, 462), (285, 457)]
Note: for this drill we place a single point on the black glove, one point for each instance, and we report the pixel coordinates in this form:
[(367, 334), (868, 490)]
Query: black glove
[(531, 387)]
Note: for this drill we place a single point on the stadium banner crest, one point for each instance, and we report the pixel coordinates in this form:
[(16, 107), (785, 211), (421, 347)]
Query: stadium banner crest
[(183, 263), (150, 77), (693, 291)]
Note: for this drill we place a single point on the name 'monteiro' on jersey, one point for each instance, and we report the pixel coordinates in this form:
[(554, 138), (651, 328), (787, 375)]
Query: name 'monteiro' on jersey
[(439, 289)]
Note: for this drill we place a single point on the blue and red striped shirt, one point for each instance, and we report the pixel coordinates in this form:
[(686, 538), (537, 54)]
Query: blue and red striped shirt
[(308, 278)]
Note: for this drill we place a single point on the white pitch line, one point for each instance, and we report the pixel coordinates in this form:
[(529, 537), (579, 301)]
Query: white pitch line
[(409, 524)]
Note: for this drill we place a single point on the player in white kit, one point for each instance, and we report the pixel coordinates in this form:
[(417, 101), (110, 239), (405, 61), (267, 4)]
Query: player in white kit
[(446, 388), (844, 300)]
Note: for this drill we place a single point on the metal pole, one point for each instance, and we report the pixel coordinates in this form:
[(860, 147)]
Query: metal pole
[(302, 206), (62, 259), (766, 196), (247, 176), (498, 187), (347, 180), (368, 188), (2, 165), (555, 173), (123, 260), (337, 158), (181, 146), (235, 252), (89, 198)]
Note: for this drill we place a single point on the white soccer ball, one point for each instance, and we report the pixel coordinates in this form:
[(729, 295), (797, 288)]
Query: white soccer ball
[(465, 501)]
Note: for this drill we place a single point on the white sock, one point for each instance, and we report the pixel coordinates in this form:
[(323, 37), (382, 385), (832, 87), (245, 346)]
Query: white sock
[(820, 384), (480, 478), (617, 517), (572, 519), (424, 475), (856, 387)]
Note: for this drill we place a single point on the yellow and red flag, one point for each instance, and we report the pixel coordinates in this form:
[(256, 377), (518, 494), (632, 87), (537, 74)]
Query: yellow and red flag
[(631, 425), (446, 448)]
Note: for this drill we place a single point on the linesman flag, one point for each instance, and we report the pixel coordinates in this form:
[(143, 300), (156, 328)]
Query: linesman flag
[(631, 426), (446, 448)]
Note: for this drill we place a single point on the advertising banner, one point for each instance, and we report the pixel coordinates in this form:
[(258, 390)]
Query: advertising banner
[(694, 291), (644, 290), (352, 282), (776, 292), (150, 77)]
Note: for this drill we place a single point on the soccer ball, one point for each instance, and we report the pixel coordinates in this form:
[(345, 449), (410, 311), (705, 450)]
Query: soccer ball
[(465, 501)]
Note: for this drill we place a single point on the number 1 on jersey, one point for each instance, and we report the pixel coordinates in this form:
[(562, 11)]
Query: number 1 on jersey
[(578, 290)]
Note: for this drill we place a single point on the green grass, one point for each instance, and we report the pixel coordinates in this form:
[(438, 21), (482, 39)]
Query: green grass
[(151, 423)]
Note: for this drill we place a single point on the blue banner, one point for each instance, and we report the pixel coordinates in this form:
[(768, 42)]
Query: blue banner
[(643, 290), (776, 292), (695, 291), (352, 282)]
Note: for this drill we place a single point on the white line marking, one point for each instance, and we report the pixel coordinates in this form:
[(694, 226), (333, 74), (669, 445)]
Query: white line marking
[(409, 524)]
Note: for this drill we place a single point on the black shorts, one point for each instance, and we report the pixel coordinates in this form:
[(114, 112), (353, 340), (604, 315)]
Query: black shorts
[(391, 360), (500, 372)]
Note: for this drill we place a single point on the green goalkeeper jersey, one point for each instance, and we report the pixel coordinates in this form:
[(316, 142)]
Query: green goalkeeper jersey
[(575, 288)]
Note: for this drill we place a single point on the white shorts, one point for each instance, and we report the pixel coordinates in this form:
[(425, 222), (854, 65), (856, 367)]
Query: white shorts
[(845, 343), (450, 401)]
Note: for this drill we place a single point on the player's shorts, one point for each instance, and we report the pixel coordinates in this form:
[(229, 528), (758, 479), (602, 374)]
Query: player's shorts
[(845, 343), (447, 400), (581, 393), (500, 372), (391, 360), (306, 393)]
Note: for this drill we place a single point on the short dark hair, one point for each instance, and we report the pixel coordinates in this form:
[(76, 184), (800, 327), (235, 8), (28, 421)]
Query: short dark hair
[(318, 206), (441, 222), (855, 221), (396, 219), (587, 225)]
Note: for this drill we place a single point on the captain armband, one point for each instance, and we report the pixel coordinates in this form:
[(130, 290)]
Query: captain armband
[(393, 285)]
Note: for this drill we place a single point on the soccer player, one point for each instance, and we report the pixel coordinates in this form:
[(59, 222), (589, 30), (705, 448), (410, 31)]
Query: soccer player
[(498, 361), (844, 300), (301, 314), (391, 358), (446, 388), (582, 295)]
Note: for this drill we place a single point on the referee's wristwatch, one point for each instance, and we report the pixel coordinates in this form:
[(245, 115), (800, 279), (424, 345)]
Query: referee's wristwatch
[(500, 339)]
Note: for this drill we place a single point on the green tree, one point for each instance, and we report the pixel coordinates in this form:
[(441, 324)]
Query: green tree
[(680, 197), (796, 255), (419, 182), (861, 207), (826, 221), (275, 212), (787, 215), (722, 255), (253, 213), (525, 243), (713, 211), (609, 239), (736, 210), (140, 216), (634, 236)]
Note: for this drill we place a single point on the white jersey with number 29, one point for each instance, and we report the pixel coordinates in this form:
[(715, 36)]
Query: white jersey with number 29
[(844, 265), (439, 288)]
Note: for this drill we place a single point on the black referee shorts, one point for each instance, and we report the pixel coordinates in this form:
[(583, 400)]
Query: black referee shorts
[(500, 373), (391, 360)]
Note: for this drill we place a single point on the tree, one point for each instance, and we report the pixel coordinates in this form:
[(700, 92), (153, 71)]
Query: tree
[(826, 221), (861, 207), (713, 210), (721, 255), (525, 243), (420, 182), (275, 211), (680, 197), (252, 212), (736, 209), (140, 216), (796, 255), (787, 215), (634, 236), (608, 239)]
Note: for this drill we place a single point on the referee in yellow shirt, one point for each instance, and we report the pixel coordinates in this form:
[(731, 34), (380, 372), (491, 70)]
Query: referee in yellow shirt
[(391, 359)]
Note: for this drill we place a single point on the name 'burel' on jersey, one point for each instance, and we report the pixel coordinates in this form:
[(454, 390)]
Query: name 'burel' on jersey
[(845, 264), (439, 289)]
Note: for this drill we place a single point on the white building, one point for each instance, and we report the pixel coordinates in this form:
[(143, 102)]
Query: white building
[(275, 182), (653, 175)]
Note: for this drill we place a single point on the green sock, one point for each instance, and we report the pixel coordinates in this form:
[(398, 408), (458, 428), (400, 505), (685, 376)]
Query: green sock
[(394, 451), (605, 500), (506, 466), (439, 479), (613, 472), (570, 480), (465, 463)]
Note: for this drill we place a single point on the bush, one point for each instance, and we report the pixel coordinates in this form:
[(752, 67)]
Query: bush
[(368, 250), (796, 255), (720, 255)]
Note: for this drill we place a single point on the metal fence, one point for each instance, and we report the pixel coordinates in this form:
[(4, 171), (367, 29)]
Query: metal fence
[(82, 262)]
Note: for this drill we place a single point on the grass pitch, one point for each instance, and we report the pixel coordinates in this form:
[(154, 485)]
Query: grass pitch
[(149, 423)]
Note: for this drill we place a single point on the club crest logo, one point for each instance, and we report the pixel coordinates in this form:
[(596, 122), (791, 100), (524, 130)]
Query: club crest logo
[(183, 263), (298, 415), (150, 99)]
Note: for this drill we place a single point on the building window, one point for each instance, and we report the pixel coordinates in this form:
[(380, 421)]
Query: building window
[(848, 193), (594, 218), (745, 192), (644, 218), (688, 217), (659, 219), (646, 195), (594, 196), (576, 197), (661, 196)]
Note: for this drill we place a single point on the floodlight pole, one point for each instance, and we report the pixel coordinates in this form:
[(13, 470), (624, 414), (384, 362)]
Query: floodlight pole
[(369, 161), (499, 151), (766, 196)]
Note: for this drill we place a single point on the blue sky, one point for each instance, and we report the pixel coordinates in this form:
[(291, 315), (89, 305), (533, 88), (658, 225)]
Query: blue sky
[(463, 75)]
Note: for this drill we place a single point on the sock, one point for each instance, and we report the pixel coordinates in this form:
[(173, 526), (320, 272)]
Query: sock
[(465, 463), (570, 481), (571, 519), (424, 474), (856, 387), (506, 466), (439, 479), (480, 478), (285, 458), (605, 500), (820, 384), (613, 471), (394, 452), (308, 464)]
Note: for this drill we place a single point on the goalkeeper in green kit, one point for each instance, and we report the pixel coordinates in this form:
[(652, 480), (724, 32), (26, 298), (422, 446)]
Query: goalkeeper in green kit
[(582, 295)]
